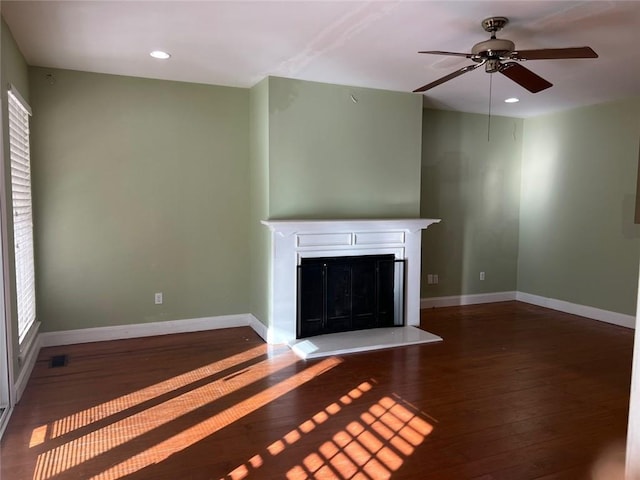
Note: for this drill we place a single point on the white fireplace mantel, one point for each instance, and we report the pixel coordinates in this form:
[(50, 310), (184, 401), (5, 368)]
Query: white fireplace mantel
[(289, 227), (293, 240)]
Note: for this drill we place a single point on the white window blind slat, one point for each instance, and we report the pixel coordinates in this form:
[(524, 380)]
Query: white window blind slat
[(20, 150), (22, 176), (20, 156)]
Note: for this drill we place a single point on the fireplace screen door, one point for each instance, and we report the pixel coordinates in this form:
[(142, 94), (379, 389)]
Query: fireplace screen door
[(339, 294)]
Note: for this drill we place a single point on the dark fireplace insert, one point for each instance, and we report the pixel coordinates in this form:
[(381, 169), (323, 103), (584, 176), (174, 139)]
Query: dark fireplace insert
[(339, 294)]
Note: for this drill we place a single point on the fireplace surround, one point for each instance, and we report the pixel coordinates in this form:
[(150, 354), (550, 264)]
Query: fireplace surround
[(294, 240)]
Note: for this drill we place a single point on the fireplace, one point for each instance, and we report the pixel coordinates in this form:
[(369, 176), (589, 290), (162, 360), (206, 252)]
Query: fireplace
[(296, 243)]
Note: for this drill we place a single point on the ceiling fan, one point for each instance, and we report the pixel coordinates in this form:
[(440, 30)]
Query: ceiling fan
[(500, 55)]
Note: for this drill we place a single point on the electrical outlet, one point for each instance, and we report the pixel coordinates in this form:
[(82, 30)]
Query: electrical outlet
[(481, 275), (430, 279), (158, 298), (435, 278)]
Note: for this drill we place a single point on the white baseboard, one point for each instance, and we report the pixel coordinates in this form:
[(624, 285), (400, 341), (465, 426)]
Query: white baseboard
[(27, 361), (607, 316), (593, 313), (455, 300), (118, 332), (259, 327)]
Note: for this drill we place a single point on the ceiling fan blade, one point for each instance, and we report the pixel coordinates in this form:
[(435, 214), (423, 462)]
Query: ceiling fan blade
[(524, 77), (446, 78), (453, 54), (554, 53)]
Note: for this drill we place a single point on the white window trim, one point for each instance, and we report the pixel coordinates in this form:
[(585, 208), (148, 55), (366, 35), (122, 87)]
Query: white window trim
[(28, 341)]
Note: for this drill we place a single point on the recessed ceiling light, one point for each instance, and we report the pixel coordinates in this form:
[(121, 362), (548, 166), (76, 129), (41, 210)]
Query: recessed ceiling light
[(512, 100), (160, 54)]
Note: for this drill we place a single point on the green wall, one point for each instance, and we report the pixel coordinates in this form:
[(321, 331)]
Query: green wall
[(143, 186), (140, 186), (473, 185), (14, 70), (327, 151), (545, 207), (578, 242), (259, 201), (333, 157)]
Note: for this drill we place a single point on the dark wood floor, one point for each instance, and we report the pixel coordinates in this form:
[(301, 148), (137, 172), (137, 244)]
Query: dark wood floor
[(514, 392)]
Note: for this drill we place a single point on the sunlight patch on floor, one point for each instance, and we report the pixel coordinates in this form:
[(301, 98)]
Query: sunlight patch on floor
[(371, 447), (99, 441), (38, 436), (202, 430), (118, 405)]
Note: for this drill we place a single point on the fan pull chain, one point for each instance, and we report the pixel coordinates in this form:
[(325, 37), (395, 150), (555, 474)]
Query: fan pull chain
[(489, 120)]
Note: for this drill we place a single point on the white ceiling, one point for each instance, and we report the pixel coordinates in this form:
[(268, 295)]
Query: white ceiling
[(368, 44)]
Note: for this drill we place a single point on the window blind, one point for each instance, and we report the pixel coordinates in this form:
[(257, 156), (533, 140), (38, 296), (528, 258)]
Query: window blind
[(19, 113)]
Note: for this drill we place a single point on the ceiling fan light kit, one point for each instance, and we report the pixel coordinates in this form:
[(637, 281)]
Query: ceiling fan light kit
[(500, 55)]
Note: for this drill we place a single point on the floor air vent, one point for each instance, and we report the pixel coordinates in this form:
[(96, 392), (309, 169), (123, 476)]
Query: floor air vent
[(58, 361)]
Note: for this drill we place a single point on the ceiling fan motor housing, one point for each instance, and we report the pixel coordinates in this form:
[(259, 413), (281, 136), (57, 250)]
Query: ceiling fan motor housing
[(493, 48)]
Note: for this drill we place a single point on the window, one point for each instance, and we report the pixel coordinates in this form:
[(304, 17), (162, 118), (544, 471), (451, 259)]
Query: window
[(19, 113)]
